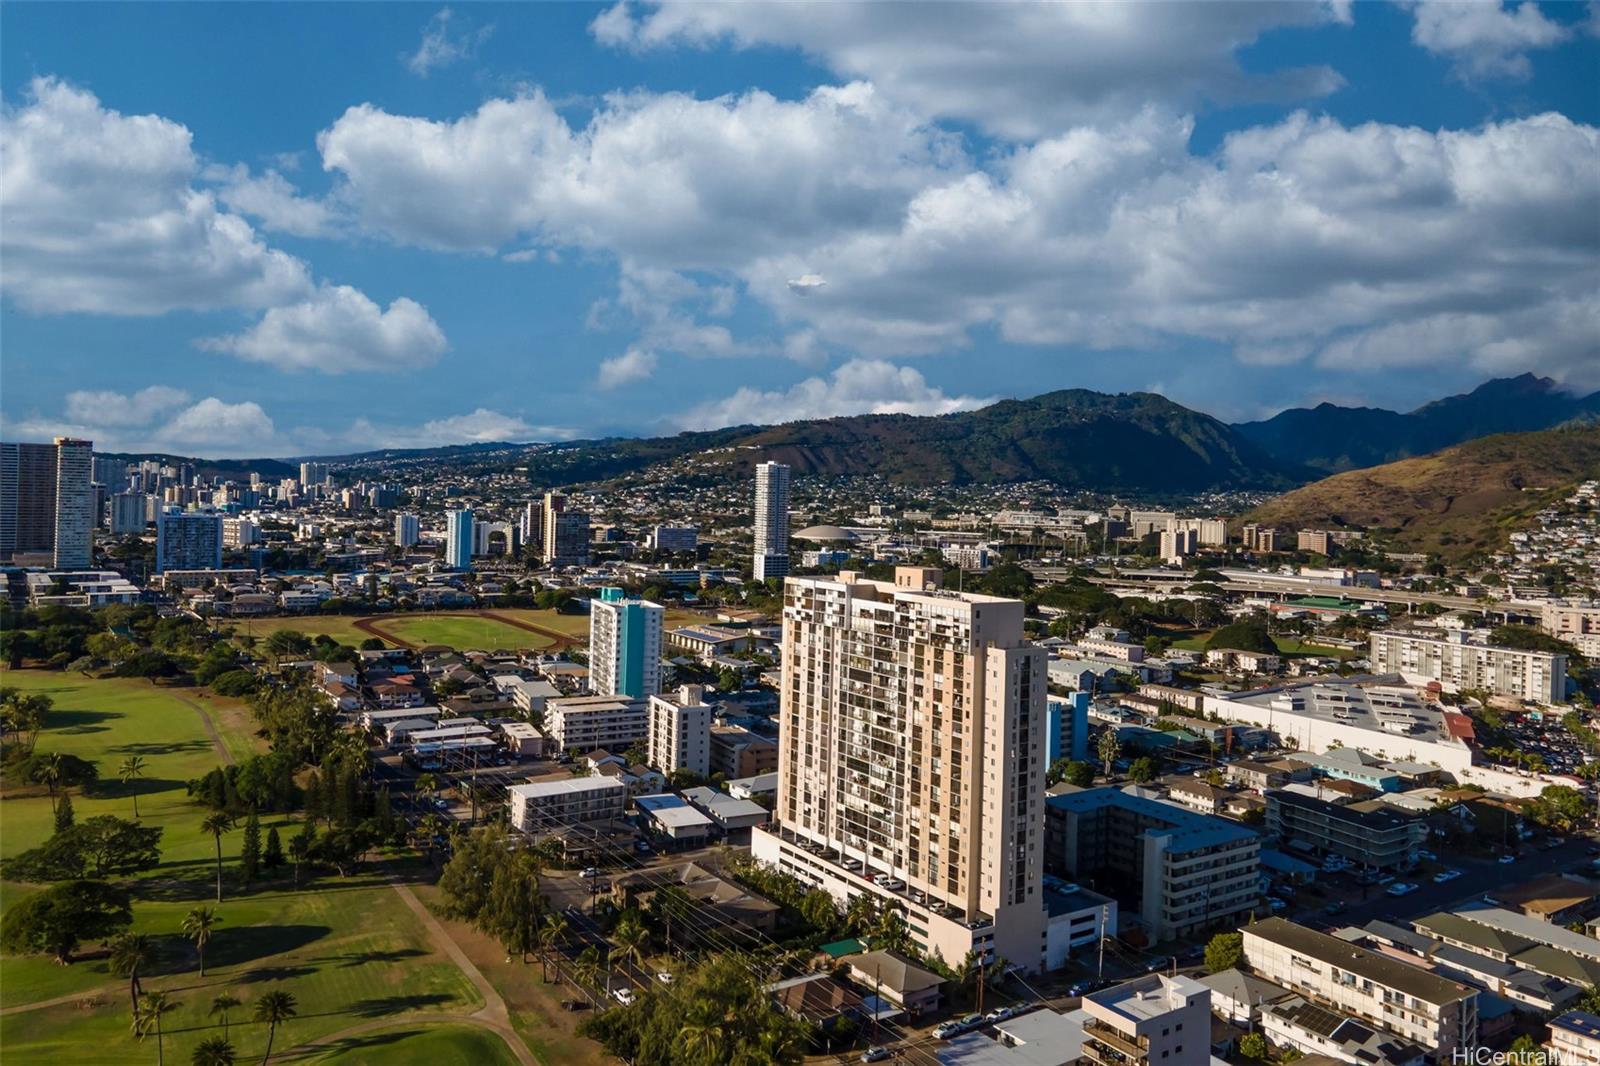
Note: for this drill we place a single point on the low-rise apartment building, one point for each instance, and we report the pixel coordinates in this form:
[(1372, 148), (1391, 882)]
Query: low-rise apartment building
[(1149, 1021), (1575, 1038), (584, 723), (1415, 1005), (544, 806), (1370, 833), (1181, 872)]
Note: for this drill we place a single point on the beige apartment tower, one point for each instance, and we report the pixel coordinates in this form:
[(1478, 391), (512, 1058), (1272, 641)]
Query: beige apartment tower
[(911, 758)]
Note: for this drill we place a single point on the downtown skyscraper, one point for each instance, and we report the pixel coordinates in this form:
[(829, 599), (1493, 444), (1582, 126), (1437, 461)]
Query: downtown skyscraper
[(911, 758), (47, 502), (772, 521)]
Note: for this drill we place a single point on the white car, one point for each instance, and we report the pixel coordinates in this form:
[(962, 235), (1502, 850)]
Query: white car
[(1506, 860), (589, 873), (1446, 875), (1400, 888), (623, 996), (666, 977)]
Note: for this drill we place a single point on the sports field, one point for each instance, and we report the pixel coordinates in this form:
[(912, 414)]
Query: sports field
[(485, 630), (464, 632), (349, 950)]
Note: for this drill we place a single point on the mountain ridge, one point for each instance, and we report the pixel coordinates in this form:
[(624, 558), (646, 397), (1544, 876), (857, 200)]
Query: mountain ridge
[(1331, 438)]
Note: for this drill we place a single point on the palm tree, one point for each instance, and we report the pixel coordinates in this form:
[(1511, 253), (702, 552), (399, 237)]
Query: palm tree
[(130, 953), (630, 938), (221, 1004), (217, 823), (147, 1019), (51, 773), (131, 770), (274, 1008), (198, 926), (213, 1051), (586, 967), (553, 933), (701, 1038)]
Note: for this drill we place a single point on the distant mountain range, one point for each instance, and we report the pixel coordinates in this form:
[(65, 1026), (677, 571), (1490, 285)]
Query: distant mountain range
[(1331, 438), (1456, 501), (1128, 442), (1135, 442)]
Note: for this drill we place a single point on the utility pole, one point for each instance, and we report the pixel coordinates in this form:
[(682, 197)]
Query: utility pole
[(980, 985), (1105, 916)]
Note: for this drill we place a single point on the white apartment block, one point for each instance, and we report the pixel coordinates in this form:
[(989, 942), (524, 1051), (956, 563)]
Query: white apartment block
[(240, 532), (407, 530), (1149, 1021), (1576, 623), (1414, 1004), (911, 758), (1459, 660), (540, 806), (584, 723), (680, 732), (772, 521), (1177, 544)]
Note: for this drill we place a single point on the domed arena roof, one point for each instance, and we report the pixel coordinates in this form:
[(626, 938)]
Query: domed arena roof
[(824, 533)]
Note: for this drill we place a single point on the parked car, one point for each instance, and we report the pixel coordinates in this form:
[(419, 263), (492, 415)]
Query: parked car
[(666, 977), (956, 1026), (876, 1054), (1158, 965), (1400, 888), (1338, 906)]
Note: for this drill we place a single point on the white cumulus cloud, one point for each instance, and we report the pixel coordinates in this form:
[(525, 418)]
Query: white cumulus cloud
[(100, 215), (1485, 38), (1020, 70), (1291, 241), (339, 330), (273, 201), (861, 386), (635, 364), (107, 408)]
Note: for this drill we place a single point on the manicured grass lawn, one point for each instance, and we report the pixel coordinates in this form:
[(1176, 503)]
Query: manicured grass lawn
[(462, 632), (349, 950), (106, 720), (1295, 646), (438, 1045), (341, 627), (348, 955)]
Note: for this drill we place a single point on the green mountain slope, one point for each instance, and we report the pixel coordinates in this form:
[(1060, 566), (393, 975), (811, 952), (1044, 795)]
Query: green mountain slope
[(1456, 501)]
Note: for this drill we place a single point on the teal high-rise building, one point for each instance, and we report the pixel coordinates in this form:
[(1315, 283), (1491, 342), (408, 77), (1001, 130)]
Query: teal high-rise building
[(624, 645)]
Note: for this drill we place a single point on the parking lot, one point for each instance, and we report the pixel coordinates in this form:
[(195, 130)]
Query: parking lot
[(1549, 739)]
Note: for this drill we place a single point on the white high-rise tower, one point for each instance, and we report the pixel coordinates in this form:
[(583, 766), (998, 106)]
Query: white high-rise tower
[(772, 521)]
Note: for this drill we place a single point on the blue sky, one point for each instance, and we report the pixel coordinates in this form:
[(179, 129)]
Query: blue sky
[(283, 229)]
